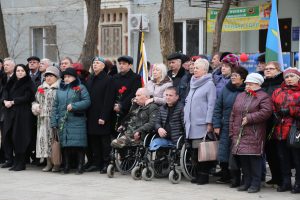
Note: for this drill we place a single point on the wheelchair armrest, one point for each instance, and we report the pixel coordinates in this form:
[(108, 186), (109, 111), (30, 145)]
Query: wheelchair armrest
[(148, 139)]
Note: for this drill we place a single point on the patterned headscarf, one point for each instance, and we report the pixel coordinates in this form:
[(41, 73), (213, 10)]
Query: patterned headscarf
[(231, 59)]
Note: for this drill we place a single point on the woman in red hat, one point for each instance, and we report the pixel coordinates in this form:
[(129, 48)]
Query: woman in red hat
[(287, 111)]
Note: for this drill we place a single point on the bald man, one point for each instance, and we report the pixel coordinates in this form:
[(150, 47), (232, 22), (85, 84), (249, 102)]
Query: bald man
[(139, 121)]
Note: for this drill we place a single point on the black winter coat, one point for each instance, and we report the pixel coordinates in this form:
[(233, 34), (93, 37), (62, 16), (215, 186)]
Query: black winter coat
[(102, 94), (132, 82), (176, 79), (37, 79), (184, 87), (269, 86), (221, 118), (176, 121), (19, 118)]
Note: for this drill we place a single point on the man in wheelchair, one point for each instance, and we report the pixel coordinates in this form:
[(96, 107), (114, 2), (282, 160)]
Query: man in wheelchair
[(169, 124), (139, 121)]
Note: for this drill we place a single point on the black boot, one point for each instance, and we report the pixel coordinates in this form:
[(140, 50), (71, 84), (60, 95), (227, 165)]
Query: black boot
[(15, 163), (296, 189), (67, 161), (236, 178), (80, 156), (21, 164), (225, 174), (286, 184), (7, 164), (203, 179), (196, 178)]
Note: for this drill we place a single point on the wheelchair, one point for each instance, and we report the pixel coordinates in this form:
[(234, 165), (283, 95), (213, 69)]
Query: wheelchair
[(163, 162), (189, 162), (127, 158)]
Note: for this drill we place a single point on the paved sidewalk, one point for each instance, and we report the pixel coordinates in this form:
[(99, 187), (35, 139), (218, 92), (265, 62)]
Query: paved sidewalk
[(33, 184)]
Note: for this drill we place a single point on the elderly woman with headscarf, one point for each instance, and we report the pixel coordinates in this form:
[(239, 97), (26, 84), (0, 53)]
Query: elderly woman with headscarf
[(287, 111), (198, 111), (42, 108), (158, 84), (68, 118), (247, 130)]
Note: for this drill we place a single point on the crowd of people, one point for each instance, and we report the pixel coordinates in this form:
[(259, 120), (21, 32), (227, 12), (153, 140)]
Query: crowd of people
[(251, 113)]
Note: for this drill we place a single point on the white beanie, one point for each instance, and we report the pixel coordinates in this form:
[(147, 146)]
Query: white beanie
[(255, 78)]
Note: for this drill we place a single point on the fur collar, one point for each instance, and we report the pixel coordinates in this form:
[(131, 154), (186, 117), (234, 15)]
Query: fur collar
[(15, 83), (64, 86)]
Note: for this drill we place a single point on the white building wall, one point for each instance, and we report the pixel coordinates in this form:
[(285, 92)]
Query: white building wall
[(20, 15)]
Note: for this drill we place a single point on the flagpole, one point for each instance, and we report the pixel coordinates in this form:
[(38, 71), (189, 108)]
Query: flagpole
[(138, 58)]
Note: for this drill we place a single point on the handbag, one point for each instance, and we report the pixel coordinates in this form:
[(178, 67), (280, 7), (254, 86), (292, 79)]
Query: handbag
[(56, 149), (208, 149), (293, 139)]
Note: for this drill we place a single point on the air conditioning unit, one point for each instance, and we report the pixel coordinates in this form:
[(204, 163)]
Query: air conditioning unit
[(136, 20)]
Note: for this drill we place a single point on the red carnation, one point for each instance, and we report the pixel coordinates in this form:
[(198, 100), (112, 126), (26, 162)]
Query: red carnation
[(41, 90), (76, 88), (122, 90), (252, 93)]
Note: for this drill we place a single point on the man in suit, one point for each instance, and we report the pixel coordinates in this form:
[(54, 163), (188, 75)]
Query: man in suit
[(35, 74)]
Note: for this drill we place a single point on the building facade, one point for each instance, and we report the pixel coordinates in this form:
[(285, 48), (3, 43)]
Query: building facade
[(53, 28)]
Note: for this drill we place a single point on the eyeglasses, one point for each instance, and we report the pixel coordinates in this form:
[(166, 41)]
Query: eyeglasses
[(271, 69)]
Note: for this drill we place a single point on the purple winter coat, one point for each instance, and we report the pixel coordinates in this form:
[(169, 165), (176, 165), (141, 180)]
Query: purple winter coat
[(253, 134)]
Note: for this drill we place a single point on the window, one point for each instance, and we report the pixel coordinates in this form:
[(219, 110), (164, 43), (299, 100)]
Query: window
[(178, 37), (111, 41), (188, 36), (43, 42)]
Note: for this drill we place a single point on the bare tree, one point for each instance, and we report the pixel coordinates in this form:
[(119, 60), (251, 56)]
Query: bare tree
[(3, 44), (218, 27), (89, 48), (166, 28)]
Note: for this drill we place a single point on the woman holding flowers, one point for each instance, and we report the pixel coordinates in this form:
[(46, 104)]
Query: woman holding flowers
[(247, 130), (68, 117), (42, 108)]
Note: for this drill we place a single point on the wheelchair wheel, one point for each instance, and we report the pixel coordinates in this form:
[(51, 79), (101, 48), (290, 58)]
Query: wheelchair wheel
[(188, 162), (110, 171), (161, 163), (175, 176), (136, 173), (147, 174), (125, 159)]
